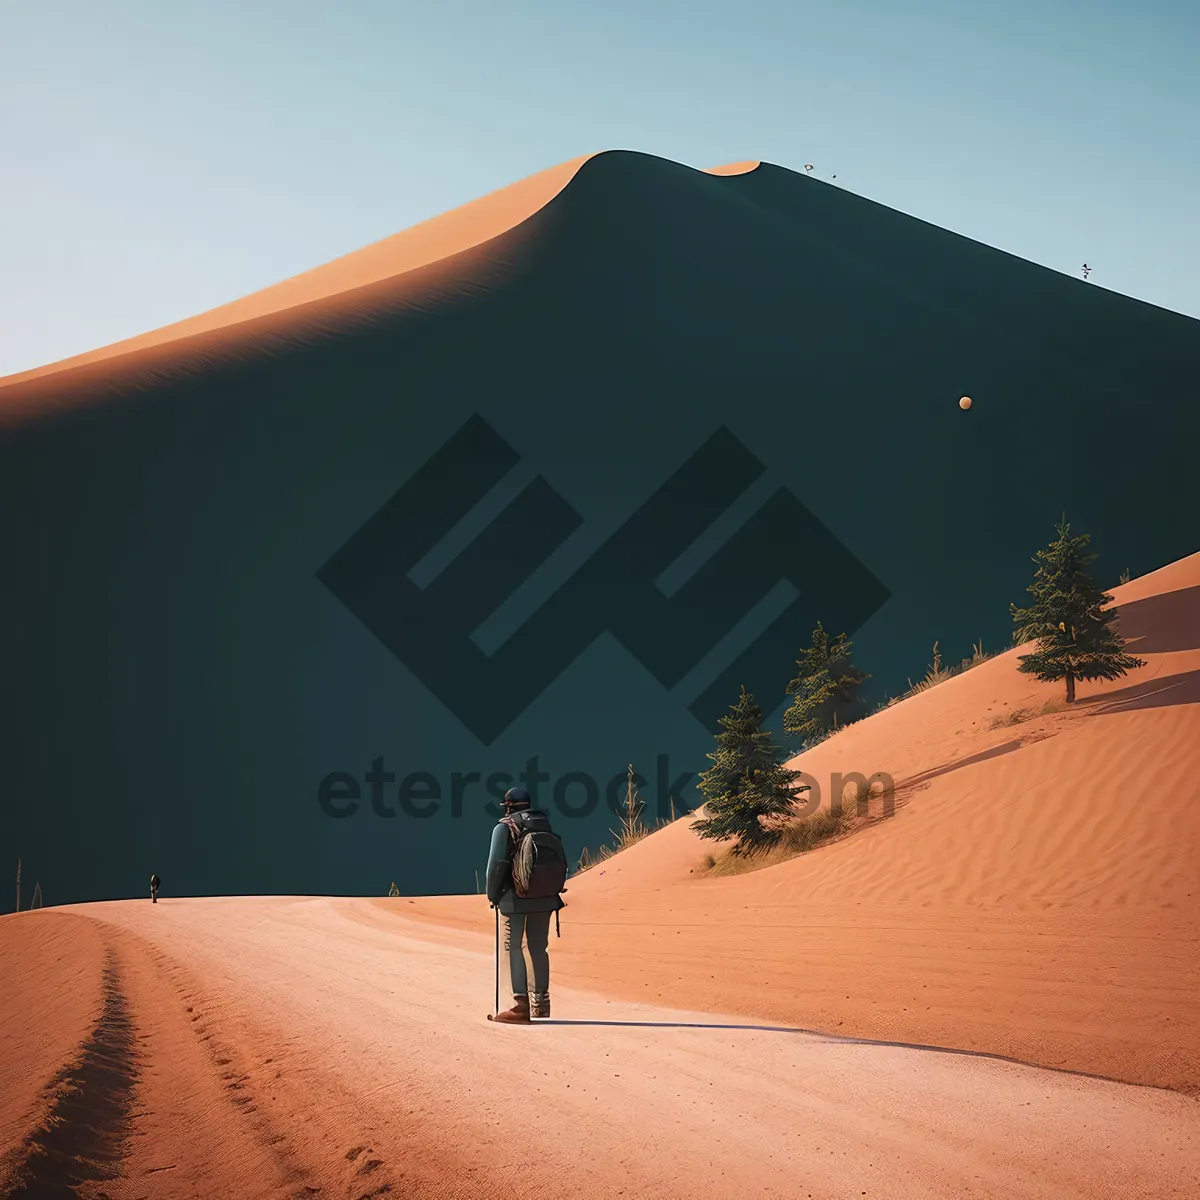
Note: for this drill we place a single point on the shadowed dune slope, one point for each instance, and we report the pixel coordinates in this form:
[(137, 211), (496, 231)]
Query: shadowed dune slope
[(168, 509), (608, 204)]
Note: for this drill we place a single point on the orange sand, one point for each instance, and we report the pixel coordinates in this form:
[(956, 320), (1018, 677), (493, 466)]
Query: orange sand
[(302, 1046)]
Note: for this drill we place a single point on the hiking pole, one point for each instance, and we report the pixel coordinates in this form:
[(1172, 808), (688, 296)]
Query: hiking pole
[(497, 1009)]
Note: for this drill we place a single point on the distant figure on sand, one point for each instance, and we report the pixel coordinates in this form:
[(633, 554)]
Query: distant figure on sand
[(526, 872), (154, 882)]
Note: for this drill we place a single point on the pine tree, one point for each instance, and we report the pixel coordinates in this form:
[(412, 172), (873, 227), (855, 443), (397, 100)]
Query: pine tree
[(1069, 621), (747, 781), (825, 684)]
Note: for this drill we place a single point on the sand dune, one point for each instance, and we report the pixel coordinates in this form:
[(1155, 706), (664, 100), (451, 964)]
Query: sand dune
[(465, 253), (193, 489), (1032, 903), (453, 233), (1037, 893)]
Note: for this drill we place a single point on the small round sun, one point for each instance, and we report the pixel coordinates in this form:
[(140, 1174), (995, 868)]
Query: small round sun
[(965, 403)]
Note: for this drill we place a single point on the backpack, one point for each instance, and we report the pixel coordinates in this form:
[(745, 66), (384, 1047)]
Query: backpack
[(539, 862)]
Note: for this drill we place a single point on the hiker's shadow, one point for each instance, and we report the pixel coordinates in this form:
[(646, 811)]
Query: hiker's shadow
[(681, 1025), (836, 1039)]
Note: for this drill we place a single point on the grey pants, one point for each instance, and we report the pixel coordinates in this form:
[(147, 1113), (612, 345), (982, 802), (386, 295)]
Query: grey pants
[(534, 929)]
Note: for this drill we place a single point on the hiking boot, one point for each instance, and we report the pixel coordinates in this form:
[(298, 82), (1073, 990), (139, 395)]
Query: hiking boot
[(539, 1004), (517, 1015)]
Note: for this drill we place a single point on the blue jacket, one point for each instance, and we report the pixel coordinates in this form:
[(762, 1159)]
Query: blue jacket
[(499, 876)]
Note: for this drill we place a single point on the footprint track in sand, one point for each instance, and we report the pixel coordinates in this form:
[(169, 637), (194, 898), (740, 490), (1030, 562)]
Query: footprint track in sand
[(249, 1085), (226, 1065), (365, 1164)]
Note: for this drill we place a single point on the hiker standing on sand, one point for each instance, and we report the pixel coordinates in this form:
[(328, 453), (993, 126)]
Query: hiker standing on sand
[(154, 882), (526, 903)]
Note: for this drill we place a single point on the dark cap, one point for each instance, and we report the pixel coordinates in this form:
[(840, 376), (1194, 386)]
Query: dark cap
[(516, 798)]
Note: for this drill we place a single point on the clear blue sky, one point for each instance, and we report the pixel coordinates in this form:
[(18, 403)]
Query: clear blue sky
[(157, 159)]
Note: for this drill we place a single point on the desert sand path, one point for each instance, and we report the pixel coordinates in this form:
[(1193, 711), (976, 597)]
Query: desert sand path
[(280, 1047)]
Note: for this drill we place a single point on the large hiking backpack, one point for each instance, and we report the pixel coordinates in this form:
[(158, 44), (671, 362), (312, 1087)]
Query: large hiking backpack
[(539, 862)]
